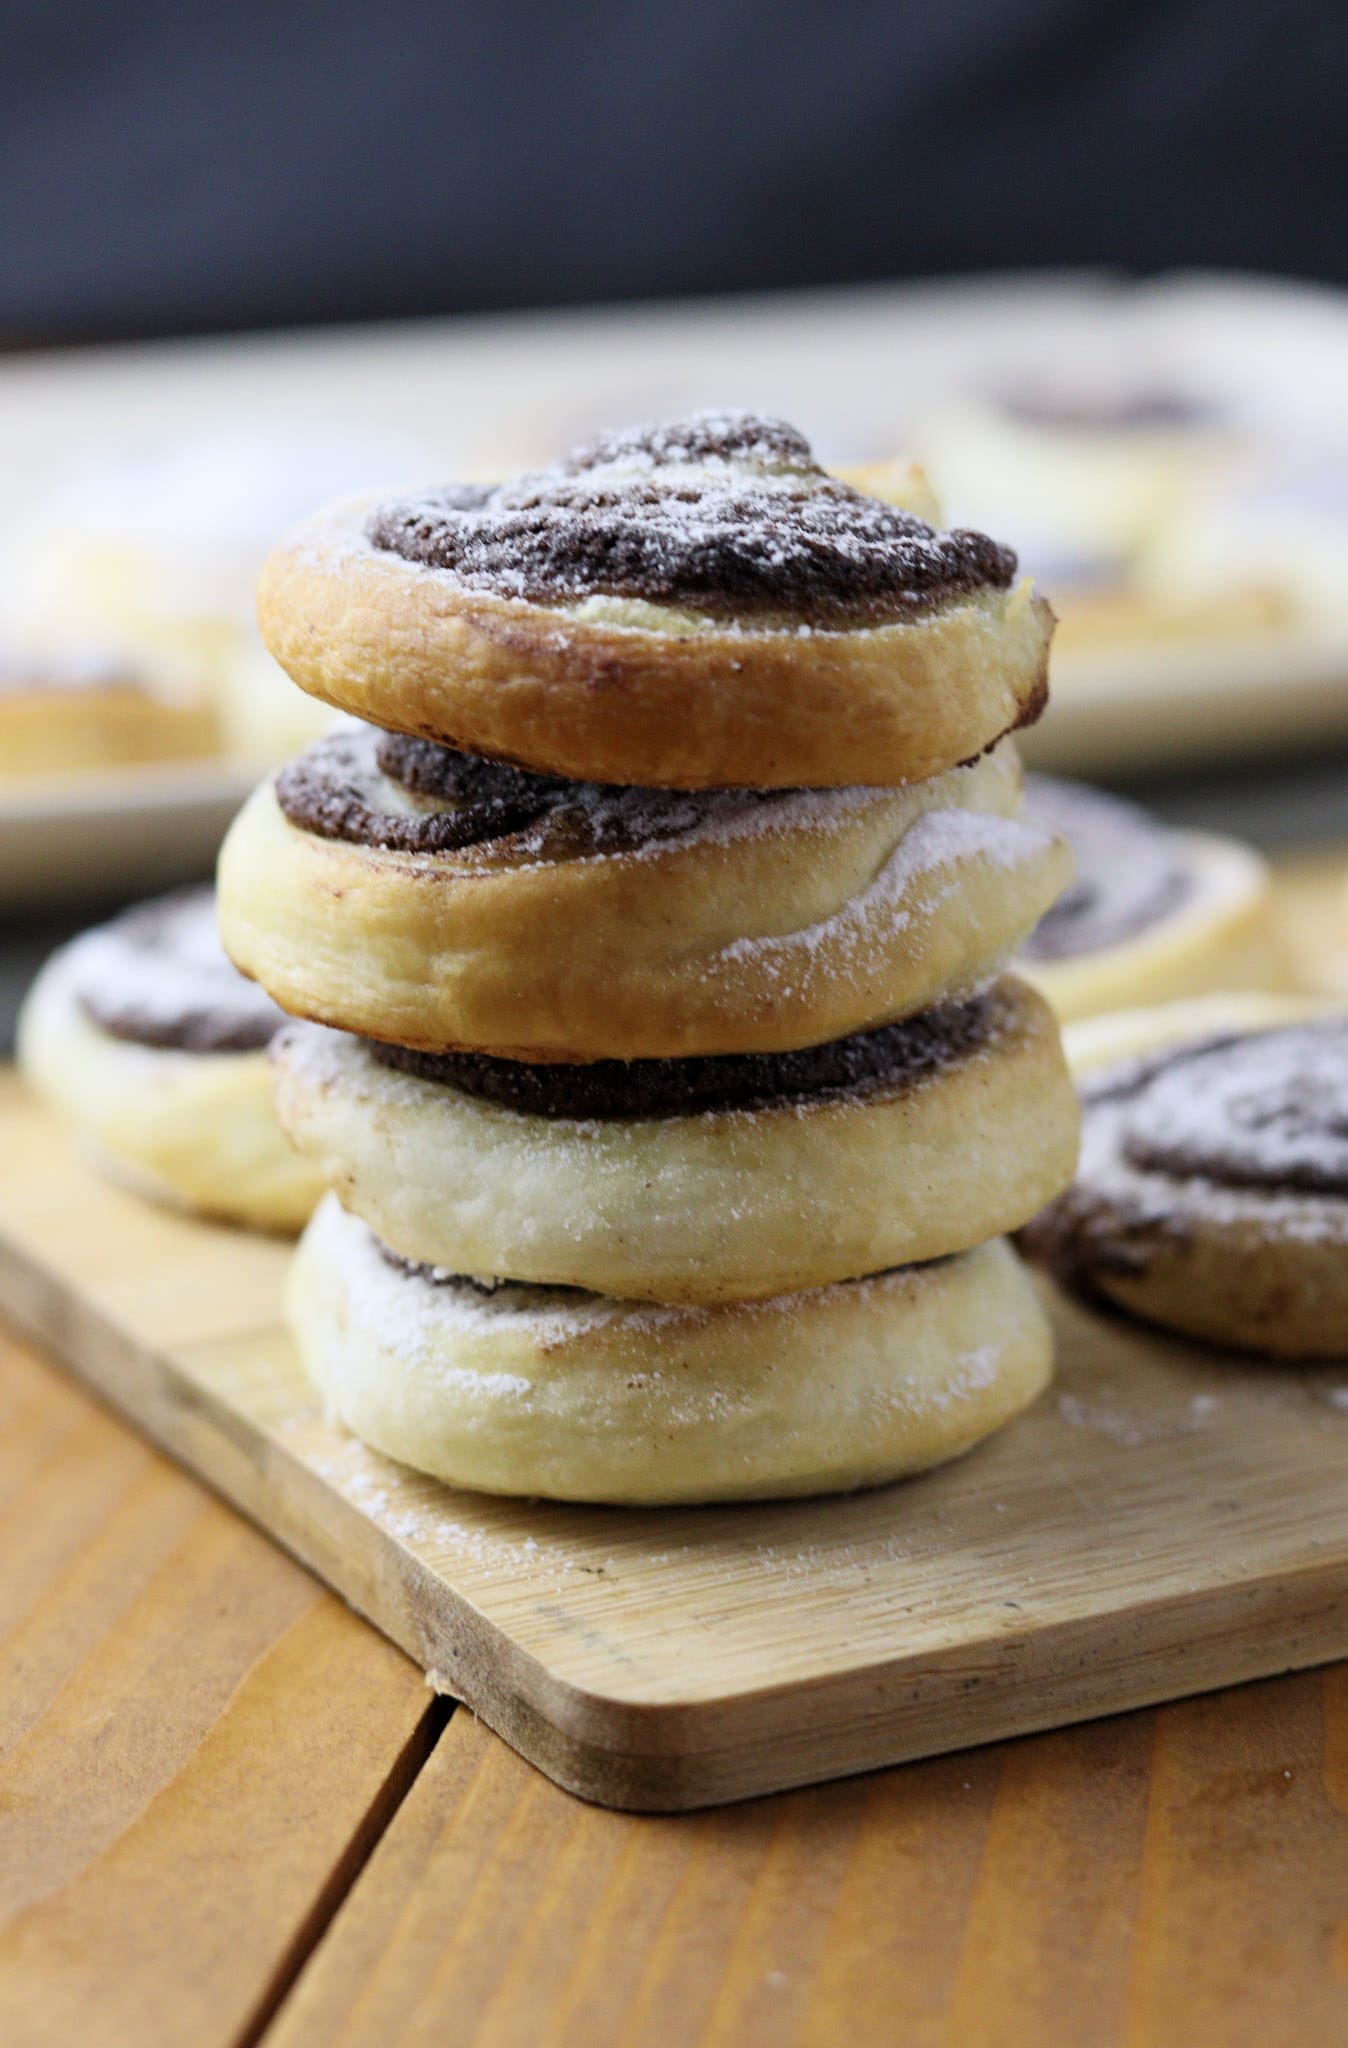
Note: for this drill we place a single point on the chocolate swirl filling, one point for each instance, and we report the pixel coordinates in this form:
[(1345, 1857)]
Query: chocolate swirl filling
[(524, 1297), (724, 514), (892, 1058), (1129, 870), (158, 976), (411, 796), (1267, 1111), (519, 1295)]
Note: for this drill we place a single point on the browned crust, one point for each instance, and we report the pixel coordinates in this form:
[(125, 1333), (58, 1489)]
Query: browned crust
[(411, 650)]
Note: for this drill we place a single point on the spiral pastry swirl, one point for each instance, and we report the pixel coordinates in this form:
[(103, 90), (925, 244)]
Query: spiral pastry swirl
[(1129, 871), (593, 922), (158, 975), (725, 513), (1212, 1193), (1266, 1112), (150, 1046), (411, 796), (1151, 914)]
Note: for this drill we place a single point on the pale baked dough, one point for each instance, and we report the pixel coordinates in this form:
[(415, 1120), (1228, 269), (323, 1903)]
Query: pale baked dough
[(1253, 1267), (724, 1205), (193, 1129), (617, 690), (1118, 1035), (575, 1397), (1223, 935), (776, 925)]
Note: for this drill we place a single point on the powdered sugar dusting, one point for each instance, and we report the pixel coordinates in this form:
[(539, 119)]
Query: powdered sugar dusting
[(972, 1373), (1266, 1110), (725, 513), (159, 975), (938, 844)]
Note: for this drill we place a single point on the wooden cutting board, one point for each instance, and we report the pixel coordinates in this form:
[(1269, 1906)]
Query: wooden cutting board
[(1166, 1520)]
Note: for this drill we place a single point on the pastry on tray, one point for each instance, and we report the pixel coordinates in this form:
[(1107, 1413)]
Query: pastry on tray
[(155, 550), (155, 1050), (68, 711), (1104, 478), (673, 1133), (1152, 914), (1212, 1193), (1087, 465), (1276, 523)]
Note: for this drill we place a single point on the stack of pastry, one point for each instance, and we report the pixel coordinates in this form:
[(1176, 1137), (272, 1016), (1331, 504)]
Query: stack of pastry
[(649, 936)]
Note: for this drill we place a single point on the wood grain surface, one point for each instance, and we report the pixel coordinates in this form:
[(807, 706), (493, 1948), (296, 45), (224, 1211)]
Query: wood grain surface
[(200, 1748), (198, 1744), (1166, 1878), (1165, 1521)]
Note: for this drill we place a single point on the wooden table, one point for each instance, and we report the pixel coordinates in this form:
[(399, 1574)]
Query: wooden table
[(231, 1813)]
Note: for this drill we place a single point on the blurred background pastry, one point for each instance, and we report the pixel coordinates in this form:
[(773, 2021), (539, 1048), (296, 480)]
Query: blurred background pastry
[(1212, 1191), (154, 1050), (1274, 524), (1150, 914), (154, 553), (1089, 459), (70, 711)]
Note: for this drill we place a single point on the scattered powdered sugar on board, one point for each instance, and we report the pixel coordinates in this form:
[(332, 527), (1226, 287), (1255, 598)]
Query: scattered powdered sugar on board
[(1121, 1426), (431, 1518)]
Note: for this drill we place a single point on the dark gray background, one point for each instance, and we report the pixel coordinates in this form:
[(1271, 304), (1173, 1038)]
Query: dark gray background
[(167, 168)]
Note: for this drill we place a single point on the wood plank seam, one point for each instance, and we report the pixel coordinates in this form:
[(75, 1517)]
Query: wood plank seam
[(403, 1774), (184, 1804)]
